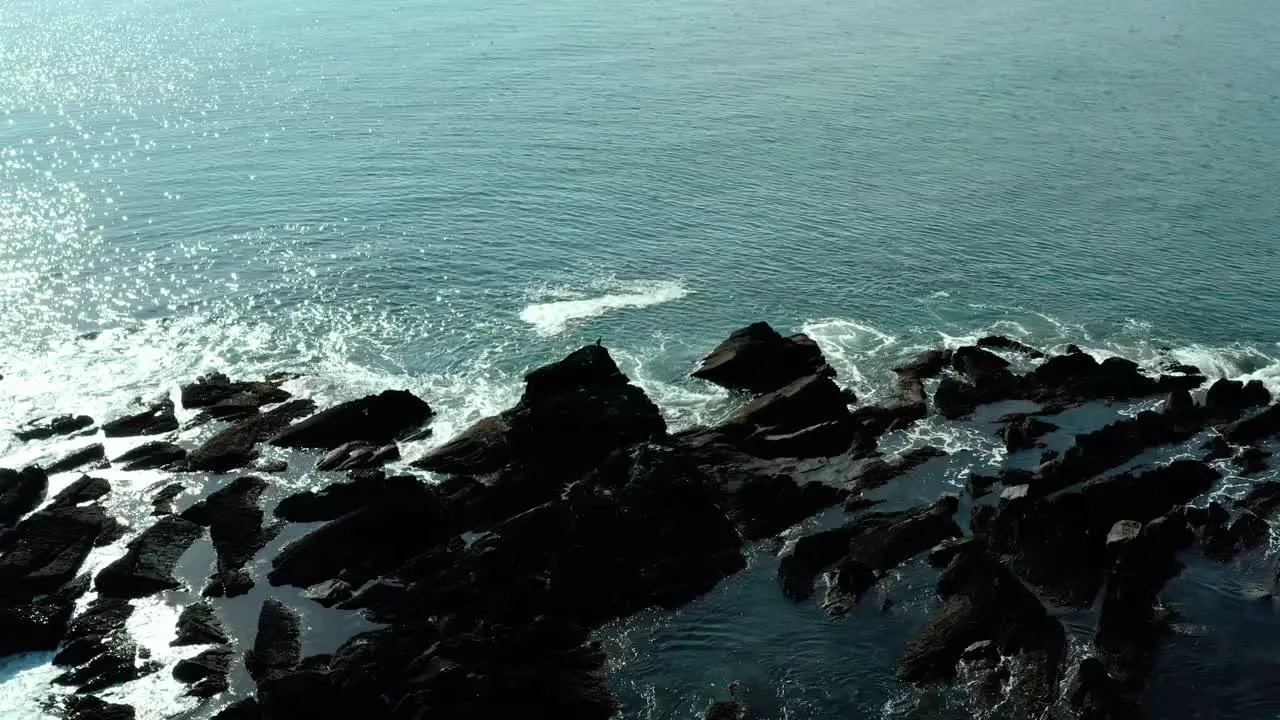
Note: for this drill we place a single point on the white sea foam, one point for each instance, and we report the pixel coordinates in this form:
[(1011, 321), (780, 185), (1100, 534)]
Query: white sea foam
[(552, 318), (852, 348)]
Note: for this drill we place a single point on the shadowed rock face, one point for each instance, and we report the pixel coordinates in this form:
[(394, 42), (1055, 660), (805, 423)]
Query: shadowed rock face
[(236, 446), (156, 419), (20, 492), (573, 413)]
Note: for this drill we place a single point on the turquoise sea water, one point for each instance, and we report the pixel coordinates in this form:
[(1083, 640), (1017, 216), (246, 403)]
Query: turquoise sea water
[(440, 195)]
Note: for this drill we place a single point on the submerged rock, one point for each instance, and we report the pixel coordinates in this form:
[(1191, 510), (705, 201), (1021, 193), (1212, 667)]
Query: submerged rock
[(865, 548), (757, 359), (378, 419), (147, 566), (158, 418), (44, 428)]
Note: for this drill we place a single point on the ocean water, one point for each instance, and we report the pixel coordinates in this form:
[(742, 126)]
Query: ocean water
[(439, 196)]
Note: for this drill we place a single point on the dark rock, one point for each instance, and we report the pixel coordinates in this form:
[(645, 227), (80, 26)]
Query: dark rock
[(944, 552), (1059, 542), (156, 419), (573, 413), (162, 501), (36, 625), (1095, 695), (871, 473), (271, 467), (925, 365), (358, 455), (1228, 399), (116, 664), (1251, 460), (1254, 428), (97, 645), (980, 518), (980, 485), (277, 647), (481, 449), (46, 550), (978, 365), (341, 498), (77, 458), (1216, 448), (1001, 342), (808, 418), (152, 455), (147, 566), (86, 489), (1022, 434), (757, 359), (1078, 377), (212, 664), (43, 428), (235, 446), (330, 592), (763, 504), (199, 625), (1262, 499), (1111, 445), (870, 545), (726, 710), (243, 709), (234, 520), (216, 388), (1128, 628), (1179, 404), (377, 419), (20, 492), (88, 707), (982, 600)]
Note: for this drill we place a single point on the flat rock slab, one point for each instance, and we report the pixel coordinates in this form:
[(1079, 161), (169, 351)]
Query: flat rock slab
[(147, 566), (152, 455)]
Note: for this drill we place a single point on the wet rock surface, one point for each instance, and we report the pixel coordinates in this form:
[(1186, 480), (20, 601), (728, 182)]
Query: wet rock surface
[(156, 418), (43, 428), (576, 508), (147, 566), (94, 454)]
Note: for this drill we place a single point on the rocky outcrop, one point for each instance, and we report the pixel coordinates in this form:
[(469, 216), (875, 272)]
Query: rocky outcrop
[(1254, 428), (1059, 542), (216, 389), (1024, 433), (573, 413), (20, 492), (864, 548), (234, 519), (358, 455), (236, 446), (982, 600), (1000, 342), (1229, 399), (85, 490), (44, 428), (151, 456), (88, 707), (1129, 627), (808, 418), (341, 498), (156, 419), (757, 359), (98, 650), (205, 672), (199, 625), (147, 566), (94, 454), (376, 419), (277, 647)]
